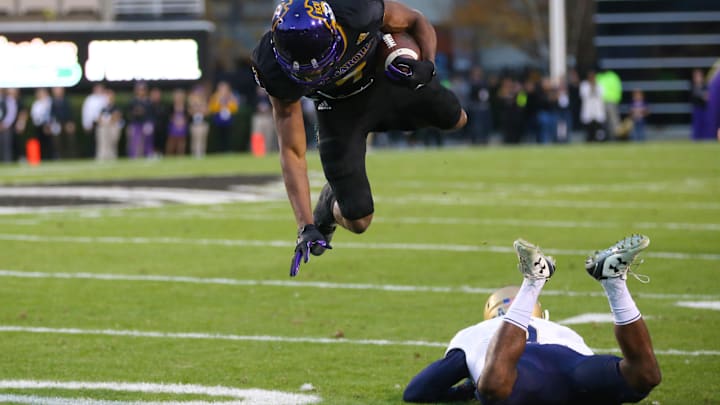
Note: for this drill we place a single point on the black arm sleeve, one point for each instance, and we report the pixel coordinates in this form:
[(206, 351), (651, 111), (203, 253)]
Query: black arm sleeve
[(436, 383)]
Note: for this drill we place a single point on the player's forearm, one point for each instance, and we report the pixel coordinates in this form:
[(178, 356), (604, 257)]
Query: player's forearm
[(426, 37), (294, 169), (293, 145)]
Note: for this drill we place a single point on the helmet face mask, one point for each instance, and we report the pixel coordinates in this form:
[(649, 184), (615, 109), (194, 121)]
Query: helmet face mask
[(306, 40)]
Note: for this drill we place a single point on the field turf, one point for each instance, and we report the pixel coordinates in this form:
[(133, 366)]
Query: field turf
[(193, 298)]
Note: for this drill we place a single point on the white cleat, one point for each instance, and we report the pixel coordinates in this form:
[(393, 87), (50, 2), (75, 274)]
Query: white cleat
[(616, 260), (534, 265)]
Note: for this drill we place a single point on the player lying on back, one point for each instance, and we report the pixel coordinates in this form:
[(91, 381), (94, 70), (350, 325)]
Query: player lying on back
[(328, 50), (515, 357)]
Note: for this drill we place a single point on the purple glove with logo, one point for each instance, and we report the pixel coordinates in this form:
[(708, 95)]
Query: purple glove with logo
[(410, 72), (308, 237)]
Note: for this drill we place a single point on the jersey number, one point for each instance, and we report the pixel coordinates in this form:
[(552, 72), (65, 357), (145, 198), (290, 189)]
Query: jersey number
[(355, 75)]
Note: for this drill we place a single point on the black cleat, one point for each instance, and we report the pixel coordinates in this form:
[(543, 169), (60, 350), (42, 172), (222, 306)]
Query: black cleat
[(324, 218)]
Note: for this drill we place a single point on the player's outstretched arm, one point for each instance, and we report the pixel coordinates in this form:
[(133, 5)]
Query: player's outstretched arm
[(293, 146), (436, 383)]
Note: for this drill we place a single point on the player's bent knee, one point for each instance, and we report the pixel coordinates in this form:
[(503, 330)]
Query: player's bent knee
[(355, 214), (359, 225), (462, 121)]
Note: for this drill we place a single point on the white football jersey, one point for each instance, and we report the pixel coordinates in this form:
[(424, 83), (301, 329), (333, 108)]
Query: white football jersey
[(474, 340)]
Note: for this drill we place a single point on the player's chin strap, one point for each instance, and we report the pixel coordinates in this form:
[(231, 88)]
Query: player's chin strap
[(639, 277)]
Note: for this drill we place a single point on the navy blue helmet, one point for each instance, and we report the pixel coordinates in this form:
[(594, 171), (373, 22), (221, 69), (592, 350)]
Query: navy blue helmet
[(306, 40)]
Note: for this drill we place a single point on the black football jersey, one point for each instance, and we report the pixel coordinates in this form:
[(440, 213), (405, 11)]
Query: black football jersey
[(359, 22)]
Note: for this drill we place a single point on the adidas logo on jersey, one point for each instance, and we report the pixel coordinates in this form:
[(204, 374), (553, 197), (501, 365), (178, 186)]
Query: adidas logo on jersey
[(324, 106)]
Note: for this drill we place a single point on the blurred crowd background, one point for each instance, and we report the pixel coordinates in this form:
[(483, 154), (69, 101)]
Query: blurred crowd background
[(636, 71)]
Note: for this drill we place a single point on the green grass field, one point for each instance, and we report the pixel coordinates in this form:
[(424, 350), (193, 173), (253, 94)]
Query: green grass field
[(193, 298)]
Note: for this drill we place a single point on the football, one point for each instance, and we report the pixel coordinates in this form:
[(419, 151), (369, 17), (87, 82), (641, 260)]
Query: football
[(397, 44)]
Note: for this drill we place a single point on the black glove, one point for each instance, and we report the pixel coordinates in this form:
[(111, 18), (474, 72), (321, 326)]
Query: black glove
[(309, 240), (410, 72)]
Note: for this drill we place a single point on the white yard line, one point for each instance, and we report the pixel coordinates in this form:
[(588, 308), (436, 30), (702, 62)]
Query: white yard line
[(549, 223), (282, 339), (324, 285), (425, 247), (713, 305), (138, 195), (688, 185), (39, 400), (218, 336), (220, 215), (535, 203), (239, 396)]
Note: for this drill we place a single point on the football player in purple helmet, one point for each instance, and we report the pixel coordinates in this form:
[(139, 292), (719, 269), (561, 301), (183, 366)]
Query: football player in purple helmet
[(326, 50)]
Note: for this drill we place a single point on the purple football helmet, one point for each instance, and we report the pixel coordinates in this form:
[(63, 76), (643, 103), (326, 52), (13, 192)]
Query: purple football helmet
[(306, 40)]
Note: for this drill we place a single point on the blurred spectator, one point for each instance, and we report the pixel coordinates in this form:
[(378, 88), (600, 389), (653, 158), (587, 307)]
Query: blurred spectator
[(479, 111), (178, 125), (199, 128), (531, 93), (699, 99), (140, 125), (61, 118), (8, 114), (592, 113), (45, 133), (611, 86), (573, 91), (12, 124), (262, 120), (511, 110), (108, 128), (713, 107), (160, 119), (564, 113), (547, 111), (91, 108), (460, 85), (638, 112), (222, 106), (430, 136), (12, 96), (494, 81)]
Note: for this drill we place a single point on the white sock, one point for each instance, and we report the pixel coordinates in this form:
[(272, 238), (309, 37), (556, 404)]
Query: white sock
[(621, 302), (522, 306)]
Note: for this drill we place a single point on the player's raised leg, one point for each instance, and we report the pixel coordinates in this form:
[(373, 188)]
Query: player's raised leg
[(639, 366), (346, 199), (500, 372)]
